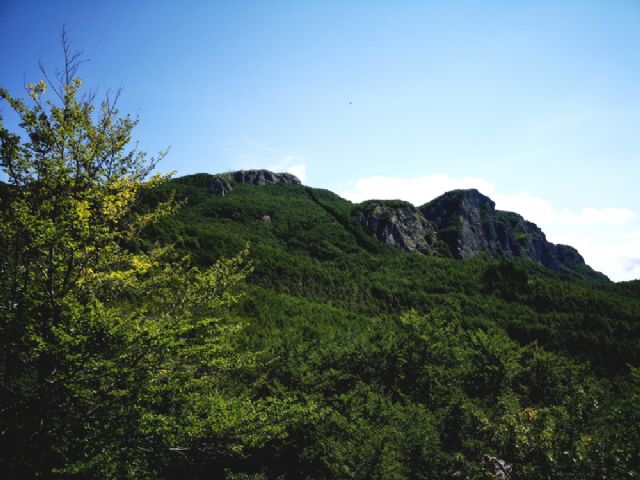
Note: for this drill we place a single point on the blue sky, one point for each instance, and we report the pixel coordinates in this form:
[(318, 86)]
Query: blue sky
[(535, 103)]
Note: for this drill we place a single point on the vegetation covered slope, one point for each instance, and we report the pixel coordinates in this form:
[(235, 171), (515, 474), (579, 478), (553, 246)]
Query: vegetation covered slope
[(305, 243), (417, 365)]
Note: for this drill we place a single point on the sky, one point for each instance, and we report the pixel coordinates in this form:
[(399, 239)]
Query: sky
[(534, 103)]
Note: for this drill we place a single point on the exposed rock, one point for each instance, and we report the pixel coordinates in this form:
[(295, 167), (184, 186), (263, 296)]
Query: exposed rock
[(499, 469), (222, 183), (465, 220), (398, 224), (219, 186), (215, 184), (469, 224), (568, 255), (260, 177)]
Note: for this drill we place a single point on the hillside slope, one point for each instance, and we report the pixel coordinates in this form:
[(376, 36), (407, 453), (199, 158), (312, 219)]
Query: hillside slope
[(409, 361), (312, 244)]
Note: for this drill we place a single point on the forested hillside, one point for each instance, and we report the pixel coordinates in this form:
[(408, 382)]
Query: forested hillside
[(415, 366)]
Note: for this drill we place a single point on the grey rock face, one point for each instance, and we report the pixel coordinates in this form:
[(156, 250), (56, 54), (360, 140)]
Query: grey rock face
[(465, 220), (260, 177), (568, 255), (222, 184), (469, 223), (499, 469), (401, 226), (219, 186)]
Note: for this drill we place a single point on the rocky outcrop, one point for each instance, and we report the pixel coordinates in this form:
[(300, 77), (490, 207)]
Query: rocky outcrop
[(219, 186), (460, 223), (222, 183), (468, 222), (398, 224), (465, 220), (464, 223), (259, 177), (496, 468)]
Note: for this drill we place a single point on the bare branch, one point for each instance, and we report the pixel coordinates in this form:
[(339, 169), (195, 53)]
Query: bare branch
[(43, 70)]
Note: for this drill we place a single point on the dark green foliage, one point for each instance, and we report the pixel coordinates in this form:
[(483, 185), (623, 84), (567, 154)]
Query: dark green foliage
[(418, 365), (506, 279), (310, 247)]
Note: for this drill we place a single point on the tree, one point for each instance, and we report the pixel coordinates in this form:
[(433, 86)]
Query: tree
[(114, 363)]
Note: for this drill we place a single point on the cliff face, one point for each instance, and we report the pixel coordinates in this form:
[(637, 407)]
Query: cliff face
[(469, 224), (259, 177), (465, 221), (397, 224), (222, 183)]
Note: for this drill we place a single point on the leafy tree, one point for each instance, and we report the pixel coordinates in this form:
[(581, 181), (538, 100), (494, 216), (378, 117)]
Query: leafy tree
[(115, 364)]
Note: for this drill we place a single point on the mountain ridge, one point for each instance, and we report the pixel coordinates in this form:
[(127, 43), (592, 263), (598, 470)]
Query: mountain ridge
[(460, 223)]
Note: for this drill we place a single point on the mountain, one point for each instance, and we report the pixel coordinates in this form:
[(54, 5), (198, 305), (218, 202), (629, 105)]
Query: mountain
[(415, 341), (388, 257), (469, 224), (461, 224), (222, 184)]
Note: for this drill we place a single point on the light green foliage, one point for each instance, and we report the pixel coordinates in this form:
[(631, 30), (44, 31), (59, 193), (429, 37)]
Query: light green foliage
[(115, 364)]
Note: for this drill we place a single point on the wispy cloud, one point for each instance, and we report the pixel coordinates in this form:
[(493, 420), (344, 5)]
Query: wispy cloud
[(607, 237), (248, 153), (633, 265), (292, 164)]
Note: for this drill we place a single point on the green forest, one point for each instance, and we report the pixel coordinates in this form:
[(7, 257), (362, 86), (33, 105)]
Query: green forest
[(152, 329)]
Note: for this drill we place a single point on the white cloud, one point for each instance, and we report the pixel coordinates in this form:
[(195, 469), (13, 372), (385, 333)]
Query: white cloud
[(608, 238), (611, 253), (417, 190), (249, 154), (539, 210), (291, 165), (633, 267)]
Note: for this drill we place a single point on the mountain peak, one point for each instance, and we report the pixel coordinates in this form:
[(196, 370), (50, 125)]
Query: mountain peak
[(222, 184), (464, 224), (460, 223), (468, 222), (260, 177)]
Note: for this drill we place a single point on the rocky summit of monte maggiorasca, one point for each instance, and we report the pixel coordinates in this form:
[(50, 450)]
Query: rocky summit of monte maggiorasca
[(222, 184), (469, 224), (460, 223)]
